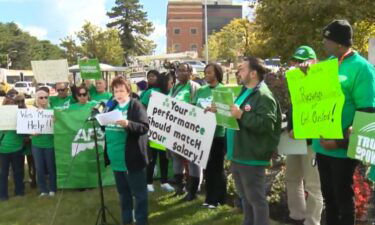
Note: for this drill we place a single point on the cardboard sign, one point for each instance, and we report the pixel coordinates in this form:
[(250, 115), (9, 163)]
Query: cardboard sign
[(34, 121), (8, 118), (51, 71), (317, 101), (182, 128)]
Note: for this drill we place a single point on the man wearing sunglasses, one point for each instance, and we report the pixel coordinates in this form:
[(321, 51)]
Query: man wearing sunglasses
[(63, 100)]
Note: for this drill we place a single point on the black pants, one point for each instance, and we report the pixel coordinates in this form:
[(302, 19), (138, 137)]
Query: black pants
[(163, 162), (336, 177), (216, 187)]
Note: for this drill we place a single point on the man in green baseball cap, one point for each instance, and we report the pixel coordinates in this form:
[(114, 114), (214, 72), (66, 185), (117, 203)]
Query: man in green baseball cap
[(303, 54), (301, 175)]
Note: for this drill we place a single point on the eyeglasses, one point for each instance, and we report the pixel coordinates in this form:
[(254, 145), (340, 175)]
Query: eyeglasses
[(61, 90), (43, 97), (82, 94)]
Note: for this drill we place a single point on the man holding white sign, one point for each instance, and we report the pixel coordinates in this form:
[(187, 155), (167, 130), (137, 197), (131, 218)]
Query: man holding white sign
[(251, 147)]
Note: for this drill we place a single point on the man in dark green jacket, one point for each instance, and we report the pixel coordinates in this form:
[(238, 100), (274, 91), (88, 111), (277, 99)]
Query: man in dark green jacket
[(251, 147)]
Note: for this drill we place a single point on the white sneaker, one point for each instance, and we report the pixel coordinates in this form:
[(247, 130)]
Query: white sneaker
[(167, 187), (212, 207), (150, 188), (52, 193), (43, 195), (205, 204)]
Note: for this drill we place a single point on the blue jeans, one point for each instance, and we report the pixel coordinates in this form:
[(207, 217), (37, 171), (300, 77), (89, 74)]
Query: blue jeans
[(16, 161), (44, 159), (129, 185)]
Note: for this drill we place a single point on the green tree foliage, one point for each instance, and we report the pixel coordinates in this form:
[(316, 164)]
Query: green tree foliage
[(232, 41), (95, 42), (283, 25), (23, 47), (131, 21)]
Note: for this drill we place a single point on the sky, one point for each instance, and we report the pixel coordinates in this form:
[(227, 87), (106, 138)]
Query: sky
[(55, 19)]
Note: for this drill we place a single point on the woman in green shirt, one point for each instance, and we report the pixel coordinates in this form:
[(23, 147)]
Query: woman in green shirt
[(43, 152), (159, 83), (11, 154), (214, 173), (82, 97)]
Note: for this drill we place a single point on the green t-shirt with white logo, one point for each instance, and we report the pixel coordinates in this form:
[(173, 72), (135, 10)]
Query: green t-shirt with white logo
[(181, 92), (357, 78), (203, 99), (10, 141), (116, 141), (61, 103), (97, 97)]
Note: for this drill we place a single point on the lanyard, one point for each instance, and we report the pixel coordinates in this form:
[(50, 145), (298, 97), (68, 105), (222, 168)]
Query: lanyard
[(345, 55)]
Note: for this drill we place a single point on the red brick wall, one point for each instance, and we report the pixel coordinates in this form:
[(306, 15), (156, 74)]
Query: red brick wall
[(185, 17)]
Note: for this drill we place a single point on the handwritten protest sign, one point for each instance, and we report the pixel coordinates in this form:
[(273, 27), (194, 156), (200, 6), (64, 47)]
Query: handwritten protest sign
[(371, 51), (90, 69), (223, 100), (34, 121), (317, 101), (182, 128), (51, 70), (362, 140), (8, 119)]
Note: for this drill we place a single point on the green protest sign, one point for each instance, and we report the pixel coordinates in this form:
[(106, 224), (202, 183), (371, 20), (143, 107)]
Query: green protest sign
[(223, 100), (317, 101), (90, 69), (75, 151), (362, 140), (235, 89)]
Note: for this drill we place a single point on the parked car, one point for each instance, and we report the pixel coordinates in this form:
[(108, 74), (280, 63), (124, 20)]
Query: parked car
[(197, 65), (138, 76), (25, 88)]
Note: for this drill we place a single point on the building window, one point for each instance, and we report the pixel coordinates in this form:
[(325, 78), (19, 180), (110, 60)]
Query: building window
[(194, 47), (176, 30), (176, 47), (193, 31)]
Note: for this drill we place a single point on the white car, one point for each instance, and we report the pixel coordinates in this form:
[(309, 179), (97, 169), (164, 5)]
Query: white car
[(197, 65), (25, 87)]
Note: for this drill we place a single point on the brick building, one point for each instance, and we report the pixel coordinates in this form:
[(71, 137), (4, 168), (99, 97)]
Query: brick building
[(185, 22)]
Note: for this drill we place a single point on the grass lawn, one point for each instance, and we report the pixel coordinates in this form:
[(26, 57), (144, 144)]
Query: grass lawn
[(80, 208)]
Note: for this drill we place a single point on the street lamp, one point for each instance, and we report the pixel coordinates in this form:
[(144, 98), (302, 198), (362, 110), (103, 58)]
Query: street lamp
[(9, 60)]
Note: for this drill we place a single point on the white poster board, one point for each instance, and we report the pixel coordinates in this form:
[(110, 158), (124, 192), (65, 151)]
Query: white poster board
[(8, 117), (371, 51), (51, 71), (34, 121), (290, 146), (182, 128)]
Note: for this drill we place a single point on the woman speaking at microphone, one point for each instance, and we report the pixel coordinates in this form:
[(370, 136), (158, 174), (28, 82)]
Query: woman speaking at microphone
[(127, 152)]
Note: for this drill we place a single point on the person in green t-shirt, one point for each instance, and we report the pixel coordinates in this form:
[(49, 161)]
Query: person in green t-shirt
[(63, 100), (185, 90), (98, 92), (301, 175), (82, 97), (44, 153), (216, 190), (156, 82), (126, 142), (357, 78), (251, 147), (11, 155)]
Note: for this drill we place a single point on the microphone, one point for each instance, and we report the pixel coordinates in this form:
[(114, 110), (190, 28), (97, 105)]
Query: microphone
[(98, 108)]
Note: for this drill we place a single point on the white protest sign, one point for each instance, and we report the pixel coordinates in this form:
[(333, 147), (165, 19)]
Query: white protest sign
[(34, 121), (289, 146), (371, 51), (8, 118), (51, 70), (182, 128)]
